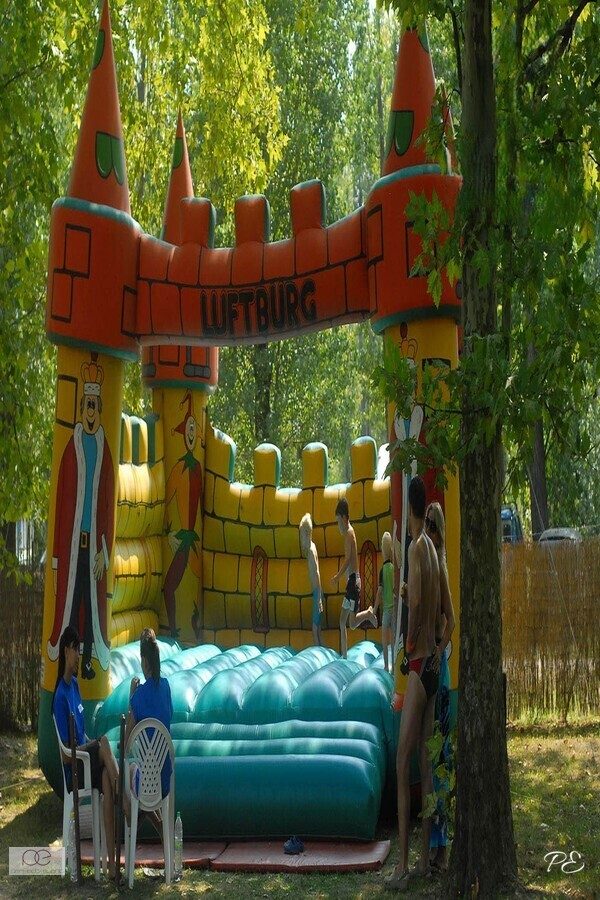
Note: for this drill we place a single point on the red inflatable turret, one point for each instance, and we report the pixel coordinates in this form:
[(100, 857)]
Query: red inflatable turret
[(172, 364), (93, 240)]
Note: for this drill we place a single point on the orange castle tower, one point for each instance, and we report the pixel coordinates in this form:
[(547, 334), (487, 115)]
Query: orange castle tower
[(412, 100), (181, 365), (99, 174), (405, 312), (90, 315), (93, 240), (182, 379), (180, 186)]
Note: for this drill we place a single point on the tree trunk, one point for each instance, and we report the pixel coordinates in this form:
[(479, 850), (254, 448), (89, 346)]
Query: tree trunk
[(538, 493), (10, 536), (483, 857), (262, 366), (536, 473)]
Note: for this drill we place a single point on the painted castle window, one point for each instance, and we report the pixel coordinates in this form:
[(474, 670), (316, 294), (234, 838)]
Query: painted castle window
[(368, 574), (258, 591)]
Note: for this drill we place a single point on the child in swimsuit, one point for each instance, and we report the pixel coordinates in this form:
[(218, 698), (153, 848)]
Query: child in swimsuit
[(350, 603), (310, 552)]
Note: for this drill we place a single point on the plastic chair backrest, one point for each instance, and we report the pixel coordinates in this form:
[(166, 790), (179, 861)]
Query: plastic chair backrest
[(63, 748), (148, 746)]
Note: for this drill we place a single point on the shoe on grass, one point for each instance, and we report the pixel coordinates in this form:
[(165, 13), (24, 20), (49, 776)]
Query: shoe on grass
[(293, 846)]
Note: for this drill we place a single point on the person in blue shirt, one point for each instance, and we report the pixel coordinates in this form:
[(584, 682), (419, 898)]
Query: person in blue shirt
[(103, 765), (152, 699)]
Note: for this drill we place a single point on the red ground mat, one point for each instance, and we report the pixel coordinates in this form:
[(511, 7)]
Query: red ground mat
[(196, 855), (318, 856)]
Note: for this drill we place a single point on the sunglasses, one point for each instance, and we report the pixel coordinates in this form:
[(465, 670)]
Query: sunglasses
[(430, 524)]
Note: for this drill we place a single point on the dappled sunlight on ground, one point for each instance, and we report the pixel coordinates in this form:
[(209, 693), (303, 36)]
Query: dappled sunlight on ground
[(556, 806)]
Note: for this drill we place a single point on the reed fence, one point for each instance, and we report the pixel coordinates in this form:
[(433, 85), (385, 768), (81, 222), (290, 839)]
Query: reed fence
[(551, 638), (21, 611)]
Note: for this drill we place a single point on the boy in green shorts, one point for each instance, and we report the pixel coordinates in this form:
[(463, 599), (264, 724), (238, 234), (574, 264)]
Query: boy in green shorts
[(386, 593)]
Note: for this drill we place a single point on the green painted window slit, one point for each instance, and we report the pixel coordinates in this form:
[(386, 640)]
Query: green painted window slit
[(177, 152), (118, 159), (103, 154), (423, 38), (400, 129), (110, 156), (98, 49)]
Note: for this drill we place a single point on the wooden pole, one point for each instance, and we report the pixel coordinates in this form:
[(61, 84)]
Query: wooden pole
[(119, 803), (75, 781)]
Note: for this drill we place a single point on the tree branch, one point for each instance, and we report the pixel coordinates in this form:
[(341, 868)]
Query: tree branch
[(28, 71), (457, 39), (562, 34), (35, 68), (235, 49), (550, 144), (529, 7), (7, 12)]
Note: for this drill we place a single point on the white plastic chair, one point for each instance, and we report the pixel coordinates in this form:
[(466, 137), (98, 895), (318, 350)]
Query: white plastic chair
[(85, 792), (148, 755)]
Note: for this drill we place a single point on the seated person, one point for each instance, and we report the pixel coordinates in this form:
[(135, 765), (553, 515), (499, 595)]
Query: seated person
[(103, 766), (152, 699)]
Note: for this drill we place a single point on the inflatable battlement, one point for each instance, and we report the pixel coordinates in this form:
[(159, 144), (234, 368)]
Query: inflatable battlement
[(184, 292), (265, 504), (255, 585), (257, 290), (251, 545), (141, 440)]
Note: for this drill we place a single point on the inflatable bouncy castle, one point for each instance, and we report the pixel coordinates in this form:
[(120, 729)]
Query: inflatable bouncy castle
[(147, 524)]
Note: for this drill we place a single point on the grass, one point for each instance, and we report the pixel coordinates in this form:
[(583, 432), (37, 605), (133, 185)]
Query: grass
[(556, 806)]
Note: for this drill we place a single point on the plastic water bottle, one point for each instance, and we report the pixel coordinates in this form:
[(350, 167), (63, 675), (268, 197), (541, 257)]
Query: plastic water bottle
[(72, 865), (178, 861)]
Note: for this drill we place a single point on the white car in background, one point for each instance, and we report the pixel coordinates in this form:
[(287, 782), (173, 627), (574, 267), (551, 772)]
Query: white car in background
[(560, 534)]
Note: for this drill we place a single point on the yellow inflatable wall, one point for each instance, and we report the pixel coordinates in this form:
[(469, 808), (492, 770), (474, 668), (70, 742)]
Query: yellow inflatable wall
[(256, 586), (138, 564)]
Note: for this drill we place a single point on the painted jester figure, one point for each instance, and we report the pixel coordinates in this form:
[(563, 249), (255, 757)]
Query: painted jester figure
[(84, 528), (185, 485)]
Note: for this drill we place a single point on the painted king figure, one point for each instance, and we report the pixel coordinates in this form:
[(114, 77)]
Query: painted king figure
[(84, 529)]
